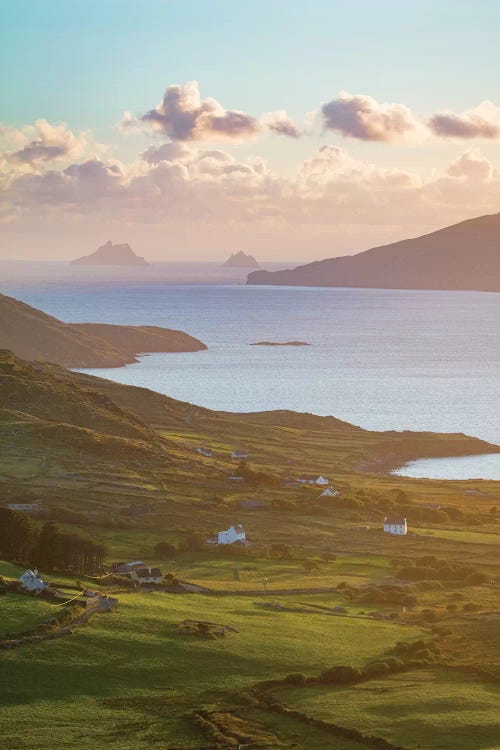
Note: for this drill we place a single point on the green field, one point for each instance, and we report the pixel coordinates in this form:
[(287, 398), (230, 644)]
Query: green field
[(130, 672), (421, 710), (129, 679), (19, 612)]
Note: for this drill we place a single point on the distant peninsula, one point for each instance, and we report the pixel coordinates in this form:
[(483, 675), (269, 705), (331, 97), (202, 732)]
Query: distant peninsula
[(280, 343), (111, 255), (241, 260), (33, 335), (464, 256)]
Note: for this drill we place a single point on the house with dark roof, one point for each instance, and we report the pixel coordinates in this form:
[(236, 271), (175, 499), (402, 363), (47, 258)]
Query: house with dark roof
[(146, 576)]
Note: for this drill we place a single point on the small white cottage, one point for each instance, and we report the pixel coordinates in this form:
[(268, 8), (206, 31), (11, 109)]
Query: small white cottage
[(145, 576), (330, 492), (31, 581), (231, 535), (241, 455), (320, 481), (396, 526)]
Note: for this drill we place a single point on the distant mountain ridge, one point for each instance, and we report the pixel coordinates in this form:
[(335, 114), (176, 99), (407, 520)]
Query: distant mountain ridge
[(34, 335), (111, 255), (462, 256)]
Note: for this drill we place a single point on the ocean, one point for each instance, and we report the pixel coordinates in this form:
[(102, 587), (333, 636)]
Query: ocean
[(382, 359)]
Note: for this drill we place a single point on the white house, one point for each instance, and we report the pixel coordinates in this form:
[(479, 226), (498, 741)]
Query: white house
[(207, 452), (320, 481), (31, 581), (146, 575), (395, 526), (231, 535), (329, 492), (242, 455), (25, 507)]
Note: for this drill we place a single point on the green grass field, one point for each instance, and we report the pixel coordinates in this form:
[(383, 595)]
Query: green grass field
[(19, 612), (129, 674), (424, 709)]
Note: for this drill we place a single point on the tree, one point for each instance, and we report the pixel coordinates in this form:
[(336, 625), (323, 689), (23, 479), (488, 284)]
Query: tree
[(165, 551)]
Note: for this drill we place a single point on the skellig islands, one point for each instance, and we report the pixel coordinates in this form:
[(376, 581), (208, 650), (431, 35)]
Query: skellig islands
[(111, 255)]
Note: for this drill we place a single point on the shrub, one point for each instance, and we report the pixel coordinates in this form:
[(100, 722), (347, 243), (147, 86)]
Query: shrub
[(341, 675)]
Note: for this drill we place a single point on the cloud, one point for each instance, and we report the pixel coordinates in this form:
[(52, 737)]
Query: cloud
[(50, 142), (183, 116), (360, 116), (279, 123), (333, 201), (481, 122)]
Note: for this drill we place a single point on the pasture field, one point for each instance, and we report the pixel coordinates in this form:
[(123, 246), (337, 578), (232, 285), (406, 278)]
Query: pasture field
[(423, 709), (129, 674), (19, 612)]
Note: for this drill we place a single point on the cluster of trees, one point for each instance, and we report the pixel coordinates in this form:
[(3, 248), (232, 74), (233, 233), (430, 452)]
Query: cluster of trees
[(49, 548), (430, 567)]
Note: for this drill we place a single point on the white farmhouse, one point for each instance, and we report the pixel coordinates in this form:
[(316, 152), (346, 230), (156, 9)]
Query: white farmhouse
[(396, 526), (238, 454), (320, 480), (25, 507), (330, 492), (143, 576), (31, 581), (231, 535)]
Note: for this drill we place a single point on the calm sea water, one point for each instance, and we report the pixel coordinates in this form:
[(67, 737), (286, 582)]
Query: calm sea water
[(383, 359)]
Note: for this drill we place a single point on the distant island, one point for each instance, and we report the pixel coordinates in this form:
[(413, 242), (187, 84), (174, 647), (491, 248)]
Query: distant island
[(240, 260), (280, 343), (463, 256), (33, 335), (111, 255)]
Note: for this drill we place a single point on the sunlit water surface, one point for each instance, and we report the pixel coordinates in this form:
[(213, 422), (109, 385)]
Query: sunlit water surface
[(382, 359)]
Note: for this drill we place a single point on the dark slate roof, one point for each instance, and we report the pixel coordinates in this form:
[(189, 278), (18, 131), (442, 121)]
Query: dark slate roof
[(395, 521)]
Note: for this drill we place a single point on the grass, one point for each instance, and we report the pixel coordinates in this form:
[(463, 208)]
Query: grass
[(459, 535), (434, 708), (134, 656), (19, 612)]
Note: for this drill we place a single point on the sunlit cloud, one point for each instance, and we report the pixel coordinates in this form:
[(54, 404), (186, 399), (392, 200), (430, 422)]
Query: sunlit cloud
[(362, 117), (481, 122)]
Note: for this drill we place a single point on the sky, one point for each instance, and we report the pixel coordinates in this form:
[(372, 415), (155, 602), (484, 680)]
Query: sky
[(195, 128)]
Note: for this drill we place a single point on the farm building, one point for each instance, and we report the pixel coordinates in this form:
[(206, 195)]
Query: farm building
[(231, 535), (396, 526), (25, 507), (31, 581), (125, 568), (241, 455), (314, 479), (146, 575), (330, 492), (207, 452)]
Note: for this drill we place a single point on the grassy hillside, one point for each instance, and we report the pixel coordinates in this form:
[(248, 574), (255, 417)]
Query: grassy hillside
[(33, 335), (88, 450)]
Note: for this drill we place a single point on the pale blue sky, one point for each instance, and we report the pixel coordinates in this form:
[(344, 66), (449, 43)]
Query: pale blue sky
[(85, 62)]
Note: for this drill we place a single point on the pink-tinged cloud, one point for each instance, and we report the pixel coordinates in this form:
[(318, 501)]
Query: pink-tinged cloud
[(481, 122), (362, 117), (50, 142), (183, 116), (279, 123)]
